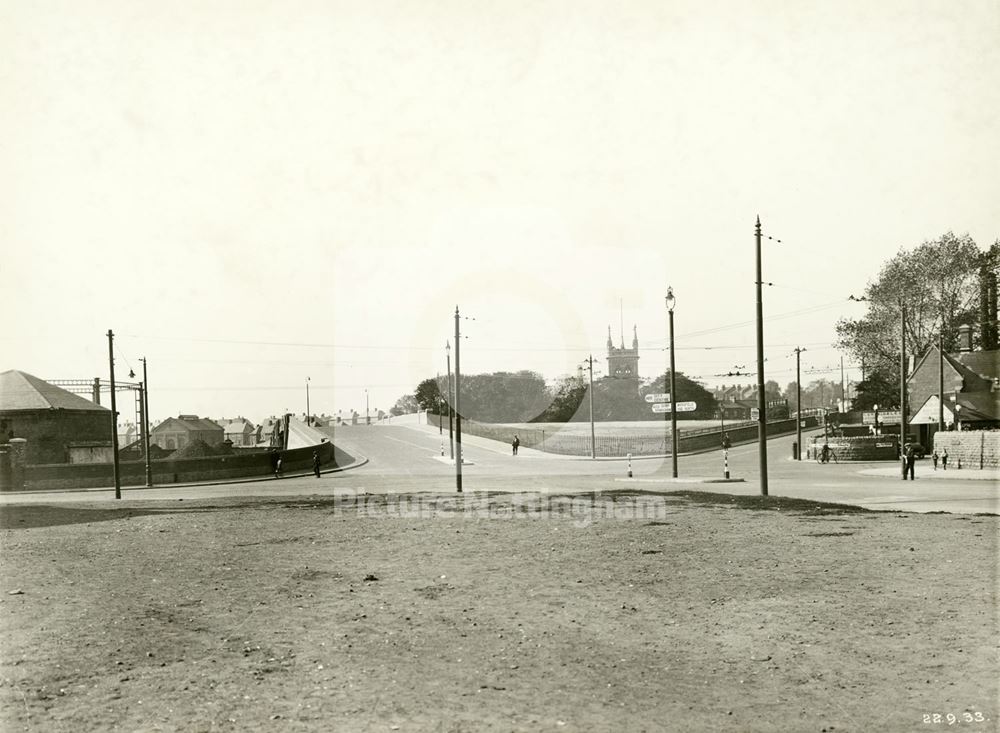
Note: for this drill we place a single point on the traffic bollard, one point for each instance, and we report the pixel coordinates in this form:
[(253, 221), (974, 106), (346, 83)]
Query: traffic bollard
[(725, 462), (630, 465)]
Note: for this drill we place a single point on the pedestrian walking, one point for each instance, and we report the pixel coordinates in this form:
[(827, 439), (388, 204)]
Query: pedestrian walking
[(944, 459), (825, 454), (514, 443), (316, 463), (277, 468), (934, 457), (911, 460)]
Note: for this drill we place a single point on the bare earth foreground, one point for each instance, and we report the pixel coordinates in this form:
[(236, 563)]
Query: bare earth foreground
[(617, 611)]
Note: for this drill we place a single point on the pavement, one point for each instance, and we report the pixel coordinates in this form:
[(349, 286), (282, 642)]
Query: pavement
[(404, 458)]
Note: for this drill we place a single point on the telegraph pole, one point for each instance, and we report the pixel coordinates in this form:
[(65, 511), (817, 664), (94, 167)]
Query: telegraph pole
[(940, 382), (593, 441), (458, 407), (902, 374), (308, 411), (114, 416), (798, 401), (145, 431), (843, 389), (761, 406), (451, 435)]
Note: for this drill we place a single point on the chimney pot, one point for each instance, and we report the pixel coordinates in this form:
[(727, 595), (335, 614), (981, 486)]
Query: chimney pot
[(964, 338)]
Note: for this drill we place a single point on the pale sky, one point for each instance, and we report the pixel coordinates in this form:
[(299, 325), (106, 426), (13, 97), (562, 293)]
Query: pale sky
[(253, 193)]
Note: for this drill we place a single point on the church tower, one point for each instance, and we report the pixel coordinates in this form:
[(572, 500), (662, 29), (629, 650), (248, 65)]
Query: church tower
[(623, 363)]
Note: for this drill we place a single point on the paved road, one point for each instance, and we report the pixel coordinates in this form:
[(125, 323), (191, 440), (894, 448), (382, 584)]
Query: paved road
[(408, 459)]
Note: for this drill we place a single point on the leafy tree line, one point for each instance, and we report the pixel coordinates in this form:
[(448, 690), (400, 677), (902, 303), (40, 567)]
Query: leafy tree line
[(940, 283), (524, 397)]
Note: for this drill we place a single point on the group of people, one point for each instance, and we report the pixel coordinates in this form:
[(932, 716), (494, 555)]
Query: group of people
[(909, 458), (316, 462)]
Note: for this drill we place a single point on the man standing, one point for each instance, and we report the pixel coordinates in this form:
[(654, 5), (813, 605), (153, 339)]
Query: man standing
[(316, 463), (911, 459), (514, 443), (944, 459)]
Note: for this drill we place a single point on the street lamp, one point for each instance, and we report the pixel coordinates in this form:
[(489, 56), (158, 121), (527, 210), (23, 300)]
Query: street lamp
[(671, 302), (368, 420)]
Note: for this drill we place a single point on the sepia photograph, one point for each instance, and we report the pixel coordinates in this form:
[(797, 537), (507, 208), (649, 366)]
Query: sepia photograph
[(458, 366)]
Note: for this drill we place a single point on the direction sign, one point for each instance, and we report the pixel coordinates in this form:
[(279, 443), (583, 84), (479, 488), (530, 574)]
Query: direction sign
[(681, 407), (659, 397)]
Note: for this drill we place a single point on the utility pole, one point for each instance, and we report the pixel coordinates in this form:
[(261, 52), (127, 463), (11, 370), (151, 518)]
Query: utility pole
[(843, 389), (145, 430), (114, 416), (458, 407), (798, 402), (902, 374), (451, 435), (761, 406), (940, 381), (308, 411), (593, 441)]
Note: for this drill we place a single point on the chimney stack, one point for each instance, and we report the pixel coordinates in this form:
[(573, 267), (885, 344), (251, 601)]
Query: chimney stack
[(964, 338)]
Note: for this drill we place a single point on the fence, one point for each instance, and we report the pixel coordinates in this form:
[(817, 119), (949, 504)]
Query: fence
[(639, 443)]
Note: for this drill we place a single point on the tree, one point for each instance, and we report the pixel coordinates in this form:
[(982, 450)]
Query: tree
[(567, 399), (938, 281), (688, 390), (428, 395), (405, 405), (877, 388), (498, 397)]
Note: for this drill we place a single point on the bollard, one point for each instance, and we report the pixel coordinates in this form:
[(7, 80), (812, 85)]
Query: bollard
[(442, 447), (725, 462), (630, 465), (795, 451)]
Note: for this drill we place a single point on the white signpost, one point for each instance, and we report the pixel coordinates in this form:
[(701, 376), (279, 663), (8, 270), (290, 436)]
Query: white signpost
[(659, 397), (681, 407)]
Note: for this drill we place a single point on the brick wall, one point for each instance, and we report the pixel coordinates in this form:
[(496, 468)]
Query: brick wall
[(973, 447), (49, 432), (167, 471)]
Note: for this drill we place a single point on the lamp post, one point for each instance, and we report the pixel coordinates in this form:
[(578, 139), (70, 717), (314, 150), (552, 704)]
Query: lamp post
[(367, 418), (308, 413), (671, 302), (451, 435)]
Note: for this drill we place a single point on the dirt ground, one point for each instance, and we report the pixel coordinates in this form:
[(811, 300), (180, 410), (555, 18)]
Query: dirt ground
[(623, 611)]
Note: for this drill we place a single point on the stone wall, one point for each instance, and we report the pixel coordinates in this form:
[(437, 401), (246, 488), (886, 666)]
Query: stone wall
[(975, 448), (856, 448)]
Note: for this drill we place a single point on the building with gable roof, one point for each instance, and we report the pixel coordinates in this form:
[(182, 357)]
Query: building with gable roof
[(971, 394), (240, 431), (179, 432), (50, 418)]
